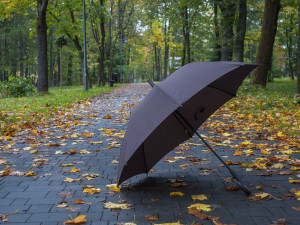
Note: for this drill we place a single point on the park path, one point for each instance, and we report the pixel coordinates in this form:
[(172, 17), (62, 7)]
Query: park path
[(45, 170)]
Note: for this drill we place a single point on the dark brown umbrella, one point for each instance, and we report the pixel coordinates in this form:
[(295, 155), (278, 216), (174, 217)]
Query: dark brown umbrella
[(174, 109)]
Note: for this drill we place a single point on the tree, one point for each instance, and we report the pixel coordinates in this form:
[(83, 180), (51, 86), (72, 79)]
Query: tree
[(265, 48), (241, 30), (42, 83), (298, 63), (227, 36)]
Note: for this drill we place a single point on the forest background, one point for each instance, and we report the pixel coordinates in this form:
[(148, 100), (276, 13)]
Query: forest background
[(135, 40)]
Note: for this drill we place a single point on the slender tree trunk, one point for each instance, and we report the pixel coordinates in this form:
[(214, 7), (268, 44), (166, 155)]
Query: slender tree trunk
[(102, 46), (70, 66), (166, 55), (108, 50), (42, 84), (1, 64), (6, 55), (228, 13), (266, 42), (241, 30), (21, 44), (217, 32), (298, 62), (57, 80), (51, 59), (157, 62)]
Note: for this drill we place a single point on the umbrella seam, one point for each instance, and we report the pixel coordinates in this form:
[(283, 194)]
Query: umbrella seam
[(221, 90)]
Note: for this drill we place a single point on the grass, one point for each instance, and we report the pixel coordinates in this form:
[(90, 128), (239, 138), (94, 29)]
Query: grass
[(25, 112), (276, 107)]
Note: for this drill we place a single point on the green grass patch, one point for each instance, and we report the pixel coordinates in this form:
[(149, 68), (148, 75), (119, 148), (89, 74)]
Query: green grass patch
[(26, 112)]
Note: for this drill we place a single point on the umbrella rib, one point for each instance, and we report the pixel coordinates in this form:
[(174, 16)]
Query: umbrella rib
[(221, 90)]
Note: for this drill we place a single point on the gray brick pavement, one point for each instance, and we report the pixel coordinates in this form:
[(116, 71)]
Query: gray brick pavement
[(36, 198)]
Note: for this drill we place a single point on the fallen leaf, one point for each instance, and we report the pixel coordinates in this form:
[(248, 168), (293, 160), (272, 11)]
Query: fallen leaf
[(277, 166), (178, 223), (66, 164), (77, 220), (199, 197), (74, 170), (296, 208), (107, 117), (176, 194), (202, 216), (150, 218), (110, 205), (113, 187), (259, 187), (232, 188), (79, 201), (84, 151), (200, 207), (71, 180), (115, 162), (30, 173), (91, 191)]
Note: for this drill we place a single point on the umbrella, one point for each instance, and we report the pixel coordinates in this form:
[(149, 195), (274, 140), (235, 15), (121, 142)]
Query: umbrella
[(173, 111)]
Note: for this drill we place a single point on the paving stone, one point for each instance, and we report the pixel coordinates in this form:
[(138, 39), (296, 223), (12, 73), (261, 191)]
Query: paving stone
[(36, 198)]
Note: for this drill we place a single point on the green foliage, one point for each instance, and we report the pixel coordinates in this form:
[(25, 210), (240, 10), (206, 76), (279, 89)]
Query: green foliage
[(16, 87)]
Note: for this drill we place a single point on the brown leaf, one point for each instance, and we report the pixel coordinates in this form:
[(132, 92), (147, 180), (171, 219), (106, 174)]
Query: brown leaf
[(77, 220), (150, 218), (232, 188), (296, 208), (200, 215)]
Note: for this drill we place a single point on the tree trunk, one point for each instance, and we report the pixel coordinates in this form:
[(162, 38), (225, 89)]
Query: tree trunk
[(21, 44), (42, 83), (51, 59), (228, 13), (298, 63), (266, 42), (70, 65), (166, 55), (57, 80), (6, 56), (109, 47), (217, 32), (157, 63), (102, 44), (241, 30)]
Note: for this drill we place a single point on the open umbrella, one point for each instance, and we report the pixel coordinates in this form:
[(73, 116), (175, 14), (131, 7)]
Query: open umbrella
[(173, 111)]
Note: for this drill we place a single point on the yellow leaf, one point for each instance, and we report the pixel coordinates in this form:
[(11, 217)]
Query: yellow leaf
[(113, 187), (107, 117), (176, 194), (183, 167), (277, 166), (115, 162), (262, 195), (238, 153), (67, 164), (58, 152), (292, 181), (200, 207), (110, 205), (84, 151), (178, 223), (30, 173), (91, 191), (77, 220), (71, 180), (74, 170), (199, 197), (63, 205)]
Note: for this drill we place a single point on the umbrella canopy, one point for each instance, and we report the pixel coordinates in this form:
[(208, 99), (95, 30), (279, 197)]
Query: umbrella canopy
[(195, 91)]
